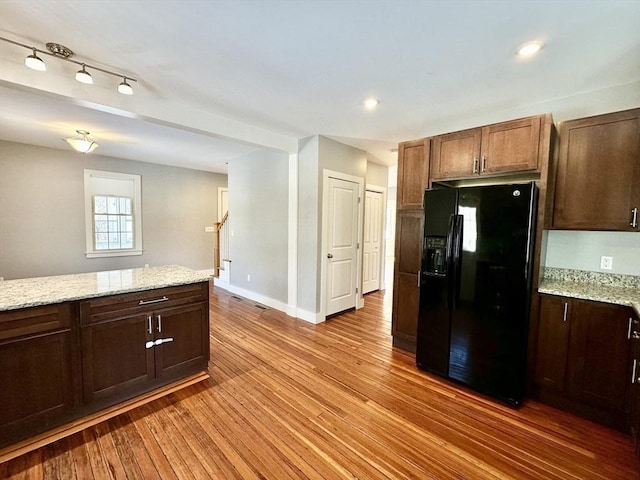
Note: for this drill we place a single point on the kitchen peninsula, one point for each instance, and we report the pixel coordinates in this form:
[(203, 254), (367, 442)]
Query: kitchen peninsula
[(77, 349)]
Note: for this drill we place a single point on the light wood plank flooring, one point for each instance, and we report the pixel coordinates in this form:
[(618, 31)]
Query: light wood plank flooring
[(287, 400)]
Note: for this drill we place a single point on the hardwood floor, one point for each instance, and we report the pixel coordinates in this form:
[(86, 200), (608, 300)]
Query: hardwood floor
[(288, 399)]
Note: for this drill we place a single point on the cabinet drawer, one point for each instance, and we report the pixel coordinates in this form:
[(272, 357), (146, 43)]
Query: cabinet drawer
[(117, 306), (34, 320)]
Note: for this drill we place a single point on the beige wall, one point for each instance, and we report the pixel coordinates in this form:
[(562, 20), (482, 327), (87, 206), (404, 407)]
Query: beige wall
[(42, 213)]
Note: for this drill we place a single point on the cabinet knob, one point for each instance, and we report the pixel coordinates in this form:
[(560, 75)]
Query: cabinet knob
[(635, 335)]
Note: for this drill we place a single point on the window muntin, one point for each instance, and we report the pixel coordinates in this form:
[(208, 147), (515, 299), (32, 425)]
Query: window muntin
[(113, 222)]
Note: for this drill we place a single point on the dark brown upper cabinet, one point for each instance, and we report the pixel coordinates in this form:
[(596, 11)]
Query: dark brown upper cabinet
[(598, 173), (498, 149)]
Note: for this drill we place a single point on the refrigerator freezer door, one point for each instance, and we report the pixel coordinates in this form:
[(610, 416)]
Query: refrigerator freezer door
[(490, 319), (432, 348)]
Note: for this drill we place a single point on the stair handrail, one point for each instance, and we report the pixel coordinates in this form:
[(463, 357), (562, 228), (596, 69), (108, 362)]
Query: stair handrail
[(220, 251)]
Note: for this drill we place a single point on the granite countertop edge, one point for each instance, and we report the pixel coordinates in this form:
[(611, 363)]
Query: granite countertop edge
[(39, 291), (618, 295)]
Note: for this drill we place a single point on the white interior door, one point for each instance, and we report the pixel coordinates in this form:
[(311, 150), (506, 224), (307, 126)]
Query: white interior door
[(342, 246), (372, 241)]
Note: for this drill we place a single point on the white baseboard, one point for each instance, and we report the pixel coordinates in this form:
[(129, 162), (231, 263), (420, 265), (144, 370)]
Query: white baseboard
[(290, 310)]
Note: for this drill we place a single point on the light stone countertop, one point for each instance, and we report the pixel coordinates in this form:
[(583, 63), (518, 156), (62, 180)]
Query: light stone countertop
[(619, 290), (31, 292)]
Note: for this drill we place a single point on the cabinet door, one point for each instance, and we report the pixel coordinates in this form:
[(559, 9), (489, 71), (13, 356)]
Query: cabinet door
[(598, 173), (634, 392), (115, 359), (456, 155), (599, 355), (185, 340), (510, 146), (35, 374), (406, 293), (413, 173), (553, 342)]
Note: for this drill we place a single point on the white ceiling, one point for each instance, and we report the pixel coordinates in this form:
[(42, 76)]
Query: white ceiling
[(217, 79)]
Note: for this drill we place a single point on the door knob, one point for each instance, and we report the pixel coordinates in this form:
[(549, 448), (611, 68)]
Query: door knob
[(329, 255)]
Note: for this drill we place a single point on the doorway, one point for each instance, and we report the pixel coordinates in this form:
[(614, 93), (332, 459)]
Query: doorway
[(372, 248), (342, 232)]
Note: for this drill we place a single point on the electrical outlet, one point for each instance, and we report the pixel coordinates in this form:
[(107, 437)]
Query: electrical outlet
[(606, 263), (248, 278)]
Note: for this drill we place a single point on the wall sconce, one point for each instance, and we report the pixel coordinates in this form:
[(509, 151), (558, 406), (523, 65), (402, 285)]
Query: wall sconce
[(81, 142), (61, 52)]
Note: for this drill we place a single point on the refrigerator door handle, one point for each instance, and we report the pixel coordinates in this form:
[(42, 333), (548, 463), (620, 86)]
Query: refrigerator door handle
[(449, 260), (456, 258)]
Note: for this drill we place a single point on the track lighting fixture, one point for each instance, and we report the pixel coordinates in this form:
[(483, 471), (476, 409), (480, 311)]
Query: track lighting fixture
[(125, 88), (63, 53), (83, 76), (34, 62), (81, 142)]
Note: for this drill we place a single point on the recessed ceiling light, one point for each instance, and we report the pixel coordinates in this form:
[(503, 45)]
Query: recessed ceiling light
[(371, 103), (529, 48)]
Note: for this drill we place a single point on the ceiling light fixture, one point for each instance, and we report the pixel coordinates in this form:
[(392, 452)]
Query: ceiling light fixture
[(371, 103), (63, 53), (81, 142), (34, 62), (83, 76), (125, 88), (529, 48)]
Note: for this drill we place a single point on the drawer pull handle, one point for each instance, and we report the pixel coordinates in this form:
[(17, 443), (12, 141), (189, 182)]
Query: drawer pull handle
[(633, 374), (149, 326), (483, 163), (564, 314), (157, 300), (149, 344), (634, 218), (475, 164), (159, 323), (629, 331)]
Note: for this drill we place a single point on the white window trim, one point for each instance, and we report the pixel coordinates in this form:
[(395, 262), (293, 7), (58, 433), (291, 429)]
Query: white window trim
[(88, 214)]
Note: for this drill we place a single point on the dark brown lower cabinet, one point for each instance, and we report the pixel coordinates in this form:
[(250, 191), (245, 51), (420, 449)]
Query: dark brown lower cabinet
[(141, 348), (584, 358), (61, 362), (634, 393), (37, 376)]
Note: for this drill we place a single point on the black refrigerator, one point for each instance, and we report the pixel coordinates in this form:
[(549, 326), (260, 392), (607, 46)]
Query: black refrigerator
[(475, 286)]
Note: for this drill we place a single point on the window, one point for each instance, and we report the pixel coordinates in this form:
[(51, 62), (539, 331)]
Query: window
[(113, 220)]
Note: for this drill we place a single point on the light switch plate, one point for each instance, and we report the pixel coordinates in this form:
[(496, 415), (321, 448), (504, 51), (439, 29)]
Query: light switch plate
[(606, 263)]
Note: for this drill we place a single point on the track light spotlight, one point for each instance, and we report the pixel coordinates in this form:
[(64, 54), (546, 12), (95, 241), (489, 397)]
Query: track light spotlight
[(34, 62), (83, 76), (125, 88), (63, 53)]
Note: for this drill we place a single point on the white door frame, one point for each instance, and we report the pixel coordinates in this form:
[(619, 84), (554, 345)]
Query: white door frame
[(325, 240), (383, 226)]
